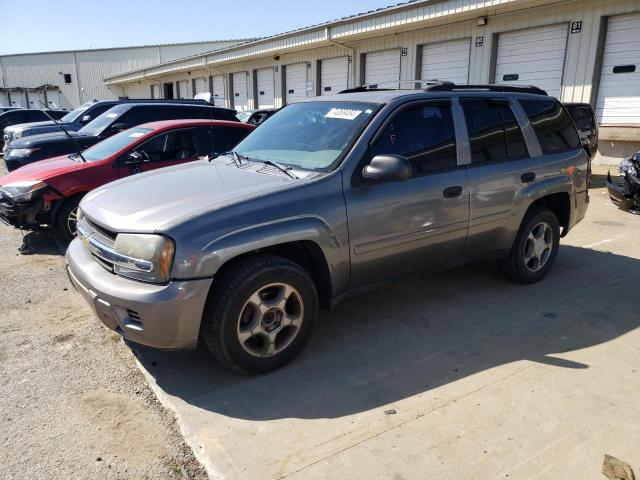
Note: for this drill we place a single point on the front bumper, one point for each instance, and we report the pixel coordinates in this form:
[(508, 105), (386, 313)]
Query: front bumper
[(21, 215), (160, 316), (11, 163), (623, 194)]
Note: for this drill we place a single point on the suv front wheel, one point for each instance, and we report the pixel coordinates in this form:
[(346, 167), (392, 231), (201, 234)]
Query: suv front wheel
[(535, 247), (259, 314)]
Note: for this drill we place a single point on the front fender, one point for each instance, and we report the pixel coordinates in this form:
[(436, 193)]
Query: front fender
[(310, 228)]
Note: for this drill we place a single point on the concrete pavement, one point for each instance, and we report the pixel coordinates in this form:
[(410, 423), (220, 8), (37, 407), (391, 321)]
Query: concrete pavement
[(461, 374)]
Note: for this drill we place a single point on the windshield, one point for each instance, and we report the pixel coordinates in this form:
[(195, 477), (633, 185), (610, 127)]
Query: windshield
[(244, 116), (309, 136), (74, 114), (111, 145), (98, 124)]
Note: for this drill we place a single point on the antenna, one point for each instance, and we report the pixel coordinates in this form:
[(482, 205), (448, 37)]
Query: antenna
[(73, 140)]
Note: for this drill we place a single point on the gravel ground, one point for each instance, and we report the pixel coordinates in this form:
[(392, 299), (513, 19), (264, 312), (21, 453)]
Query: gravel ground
[(73, 403)]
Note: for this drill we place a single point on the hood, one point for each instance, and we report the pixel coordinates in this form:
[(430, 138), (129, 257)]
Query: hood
[(42, 170), (24, 126), (156, 200), (47, 139), (38, 128)]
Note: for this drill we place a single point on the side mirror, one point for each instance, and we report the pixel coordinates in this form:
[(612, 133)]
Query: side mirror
[(388, 167), (136, 158), (119, 127), (85, 119)]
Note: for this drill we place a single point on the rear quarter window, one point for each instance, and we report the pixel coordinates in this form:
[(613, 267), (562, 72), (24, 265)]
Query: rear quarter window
[(554, 128)]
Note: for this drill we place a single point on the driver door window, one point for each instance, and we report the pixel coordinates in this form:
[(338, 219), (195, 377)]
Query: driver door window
[(174, 146), (162, 151), (424, 134)]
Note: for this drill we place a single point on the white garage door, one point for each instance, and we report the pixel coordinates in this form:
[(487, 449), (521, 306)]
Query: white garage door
[(619, 91), (334, 75), (202, 85), (534, 57), (17, 99), (155, 91), (36, 100), (183, 89), (218, 90), (447, 61), (296, 82), (382, 67), (53, 99), (240, 91), (265, 88)]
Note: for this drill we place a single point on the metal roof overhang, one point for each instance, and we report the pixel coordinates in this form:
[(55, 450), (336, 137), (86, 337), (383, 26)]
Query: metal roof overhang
[(400, 18)]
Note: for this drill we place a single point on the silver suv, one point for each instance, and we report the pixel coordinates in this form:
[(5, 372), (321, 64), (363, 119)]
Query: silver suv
[(328, 197)]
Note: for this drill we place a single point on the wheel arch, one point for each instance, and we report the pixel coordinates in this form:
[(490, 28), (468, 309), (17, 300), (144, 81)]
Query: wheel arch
[(309, 240), (55, 209), (305, 253), (559, 203)]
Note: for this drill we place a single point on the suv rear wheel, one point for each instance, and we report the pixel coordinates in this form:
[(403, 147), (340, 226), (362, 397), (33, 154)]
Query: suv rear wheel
[(64, 228), (259, 314), (535, 248)]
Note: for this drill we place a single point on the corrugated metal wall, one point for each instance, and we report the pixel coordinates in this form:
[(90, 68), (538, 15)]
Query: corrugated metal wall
[(89, 68)]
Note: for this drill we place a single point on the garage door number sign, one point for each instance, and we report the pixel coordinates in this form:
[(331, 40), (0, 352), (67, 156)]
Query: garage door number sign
[(576, 27)]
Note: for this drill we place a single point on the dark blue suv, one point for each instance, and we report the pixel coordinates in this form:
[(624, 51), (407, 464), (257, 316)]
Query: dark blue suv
[(72, 121)]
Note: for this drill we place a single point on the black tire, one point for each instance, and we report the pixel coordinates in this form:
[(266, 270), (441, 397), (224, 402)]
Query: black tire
[(61, 230), (515, 264), (227, 300)]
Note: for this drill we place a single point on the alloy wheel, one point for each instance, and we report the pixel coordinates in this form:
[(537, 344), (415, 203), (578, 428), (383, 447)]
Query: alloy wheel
[(538, 246), (270, 319), (72, 221)]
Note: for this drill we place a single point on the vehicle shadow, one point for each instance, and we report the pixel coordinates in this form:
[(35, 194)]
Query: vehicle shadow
[(418, 334), (600, 180), (40, 242)]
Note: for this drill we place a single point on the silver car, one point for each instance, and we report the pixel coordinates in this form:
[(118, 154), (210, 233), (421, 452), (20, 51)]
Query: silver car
[(330, 196)]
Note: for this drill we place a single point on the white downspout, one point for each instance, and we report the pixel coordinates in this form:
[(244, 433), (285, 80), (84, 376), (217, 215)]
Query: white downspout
[(327, 35)]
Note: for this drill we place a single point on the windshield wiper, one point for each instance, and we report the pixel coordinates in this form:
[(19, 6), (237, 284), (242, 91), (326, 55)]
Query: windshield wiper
[(282, 168), (236, 156), (73, 156), (59, 125)]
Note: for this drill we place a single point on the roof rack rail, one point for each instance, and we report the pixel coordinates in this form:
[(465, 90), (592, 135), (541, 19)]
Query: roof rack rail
[(452, 87), (363, 88), (446, 86)]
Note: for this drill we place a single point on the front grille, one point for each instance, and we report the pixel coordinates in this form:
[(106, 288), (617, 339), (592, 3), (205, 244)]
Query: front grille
[(101, 230), (104, 236)]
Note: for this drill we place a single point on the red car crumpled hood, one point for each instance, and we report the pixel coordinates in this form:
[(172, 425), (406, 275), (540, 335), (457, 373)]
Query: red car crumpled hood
[(42, 170)]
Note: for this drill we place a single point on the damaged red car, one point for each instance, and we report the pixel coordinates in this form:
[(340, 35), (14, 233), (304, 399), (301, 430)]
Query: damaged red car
[(48, 192)]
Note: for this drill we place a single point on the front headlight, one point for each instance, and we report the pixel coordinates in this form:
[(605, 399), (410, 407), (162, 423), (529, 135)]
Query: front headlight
[(21, 152), (25, 191), (15, 135), (144, 257)]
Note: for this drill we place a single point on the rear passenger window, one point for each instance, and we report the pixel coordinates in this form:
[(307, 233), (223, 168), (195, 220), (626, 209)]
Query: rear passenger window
[(554, 129), (494, 134), (424, 134)]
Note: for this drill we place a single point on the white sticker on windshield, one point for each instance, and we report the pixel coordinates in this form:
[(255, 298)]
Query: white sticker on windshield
[(343, 113), (111, 115), (136, 134)]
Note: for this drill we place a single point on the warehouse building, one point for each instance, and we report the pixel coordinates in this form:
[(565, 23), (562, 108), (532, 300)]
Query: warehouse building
[(577, 50), (68, 79)]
